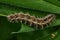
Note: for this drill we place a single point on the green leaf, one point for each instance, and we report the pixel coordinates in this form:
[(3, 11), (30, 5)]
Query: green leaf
[(24, 28), (55, 2), (6, 28), (18, 31), (33, 4)]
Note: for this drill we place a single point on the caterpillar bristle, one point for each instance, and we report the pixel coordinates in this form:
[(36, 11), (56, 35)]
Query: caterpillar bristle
[(31, 20)]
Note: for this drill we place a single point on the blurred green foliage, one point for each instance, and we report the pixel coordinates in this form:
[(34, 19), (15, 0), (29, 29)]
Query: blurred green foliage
[(18, 31)]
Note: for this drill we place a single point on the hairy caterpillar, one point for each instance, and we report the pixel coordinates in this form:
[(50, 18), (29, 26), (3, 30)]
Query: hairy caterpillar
[(31, 20)]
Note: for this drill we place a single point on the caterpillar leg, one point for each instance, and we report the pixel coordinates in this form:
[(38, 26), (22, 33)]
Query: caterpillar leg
[(42, 26)]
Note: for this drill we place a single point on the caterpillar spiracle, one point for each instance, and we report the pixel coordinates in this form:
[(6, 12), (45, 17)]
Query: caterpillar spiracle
[(31, 20)]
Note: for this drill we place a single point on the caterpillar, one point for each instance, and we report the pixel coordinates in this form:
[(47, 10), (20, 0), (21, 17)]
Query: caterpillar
[(31, 20)]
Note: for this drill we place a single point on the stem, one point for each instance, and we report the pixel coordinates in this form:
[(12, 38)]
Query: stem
[(3, 15)]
